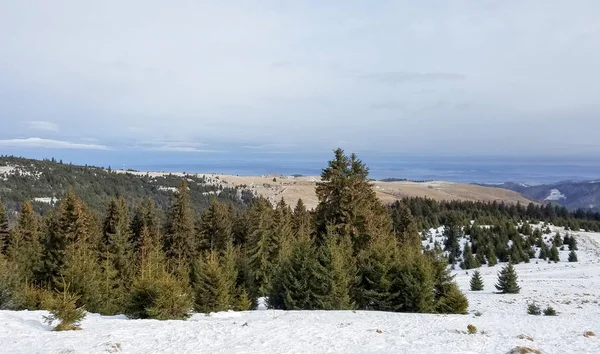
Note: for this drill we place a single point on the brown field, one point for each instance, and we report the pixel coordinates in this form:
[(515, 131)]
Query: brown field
[(275, 187), (291, 189)]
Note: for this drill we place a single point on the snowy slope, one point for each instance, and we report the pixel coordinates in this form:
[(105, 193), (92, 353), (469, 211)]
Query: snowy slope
[(573, 289)]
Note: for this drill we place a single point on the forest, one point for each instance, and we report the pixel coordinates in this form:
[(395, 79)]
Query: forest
[(167, 260), (346, 254)]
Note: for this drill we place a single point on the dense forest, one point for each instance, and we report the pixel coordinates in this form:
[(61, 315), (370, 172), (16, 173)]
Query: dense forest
[(27, 179), (349, 253)]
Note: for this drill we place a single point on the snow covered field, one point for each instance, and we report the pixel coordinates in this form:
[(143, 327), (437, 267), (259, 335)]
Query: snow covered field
[(573, 289)]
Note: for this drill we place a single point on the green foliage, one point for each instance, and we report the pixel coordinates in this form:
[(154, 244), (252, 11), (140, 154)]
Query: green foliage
[(549, 311), (476, 282), (180, 240), (215, 282), (471, 329), (507, 280), (340, 269), (3, 229), (533, 309), (572, 256), (164, 298), (299, 282), (63, 307), (554, 255)]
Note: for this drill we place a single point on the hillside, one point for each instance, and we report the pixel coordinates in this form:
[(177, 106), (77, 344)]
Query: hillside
[(573, 289), (571, 194), (275, 187), (44, 182)]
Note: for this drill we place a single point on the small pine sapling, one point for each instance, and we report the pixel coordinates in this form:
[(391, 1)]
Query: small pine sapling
[(63, 307), (533, 309), (549, 311), (572, 256), (507, 280), (476, 281)]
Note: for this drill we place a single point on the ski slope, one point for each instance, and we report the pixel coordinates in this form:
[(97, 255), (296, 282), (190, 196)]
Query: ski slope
[(573, 289)]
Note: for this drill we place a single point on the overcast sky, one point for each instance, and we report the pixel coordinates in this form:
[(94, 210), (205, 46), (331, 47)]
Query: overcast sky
[(206, 77)]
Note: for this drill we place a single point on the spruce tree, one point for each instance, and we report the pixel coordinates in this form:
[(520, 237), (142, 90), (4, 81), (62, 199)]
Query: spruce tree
[(262, 249), (507, 280), (116, 257), (469, 260), (180, 241), (572, 256), (155, 293), (3, 229), (215, 282), (340, 271), (476, 281), (298, 283), (491, 257), (554, 255), (215, 227), (348, 202), (301, 218), (25, 249)]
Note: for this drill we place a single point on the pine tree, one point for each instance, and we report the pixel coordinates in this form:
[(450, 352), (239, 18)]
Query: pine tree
[(298, 283), (262, 249), (116, 255), (63, 307), (469, 260), (301, 218), (554, 255), (3, 229), (69, 252), (25, 250), (572, 256), (507, 280), (491, 257), (215, 227), (180, 240), (476, 282), (404, 224), (340, 271), (215, 277), (348, 203), (155, 293), (447, 296)]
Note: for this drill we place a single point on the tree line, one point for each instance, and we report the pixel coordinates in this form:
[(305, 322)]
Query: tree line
[(150, 261)]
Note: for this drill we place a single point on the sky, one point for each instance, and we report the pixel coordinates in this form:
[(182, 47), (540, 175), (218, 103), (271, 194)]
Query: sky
[(218, 78)]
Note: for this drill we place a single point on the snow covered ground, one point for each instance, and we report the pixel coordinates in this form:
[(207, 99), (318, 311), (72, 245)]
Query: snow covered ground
[(573, 289)]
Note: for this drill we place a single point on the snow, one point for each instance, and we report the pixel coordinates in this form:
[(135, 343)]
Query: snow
[(573, 289), (555, 194), (47, 200)]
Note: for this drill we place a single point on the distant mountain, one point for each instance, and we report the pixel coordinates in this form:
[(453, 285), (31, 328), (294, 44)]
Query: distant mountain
[(570, 194)]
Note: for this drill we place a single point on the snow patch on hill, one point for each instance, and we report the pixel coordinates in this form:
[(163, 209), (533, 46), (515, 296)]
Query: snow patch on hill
[(555, 194)]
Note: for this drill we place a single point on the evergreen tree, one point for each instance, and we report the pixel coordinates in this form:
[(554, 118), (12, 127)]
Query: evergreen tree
[(3, 229), (404, 224), (469, 260), (348, 203), (215, 277), (507, 280), (340, 270), (299, 281), (453, 233), (155, 293), (116, 255), (215, 227), (447, 296), (572, 256), (25, 250), (554, 255), (262, 249), (476, 282), (301, 218), (180, 240), (491, 257)]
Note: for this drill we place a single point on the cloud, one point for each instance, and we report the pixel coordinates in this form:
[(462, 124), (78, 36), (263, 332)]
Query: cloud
[(404, 77), (43, 126), (384, 105), (49, 144)]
